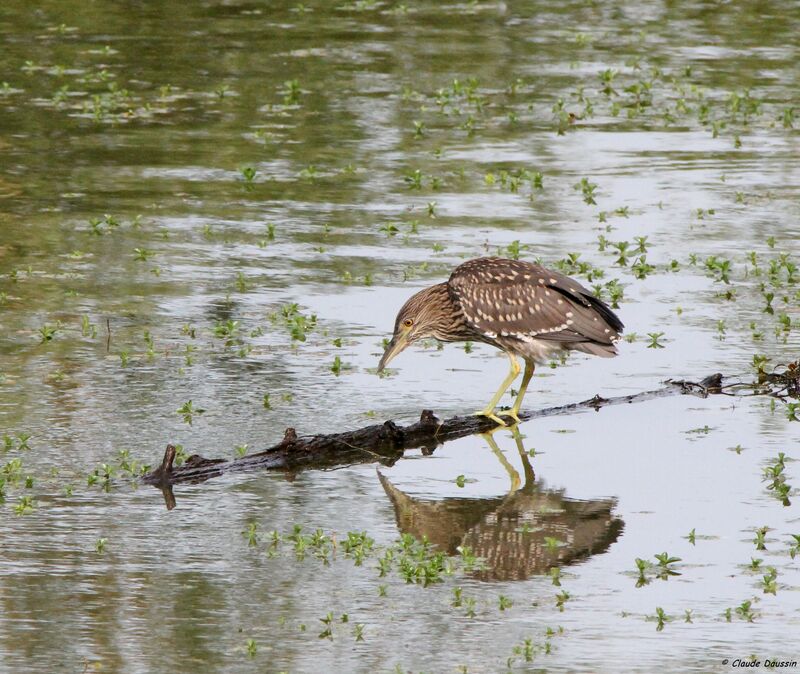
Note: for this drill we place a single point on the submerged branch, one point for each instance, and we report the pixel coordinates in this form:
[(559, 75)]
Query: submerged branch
[(385, 443)]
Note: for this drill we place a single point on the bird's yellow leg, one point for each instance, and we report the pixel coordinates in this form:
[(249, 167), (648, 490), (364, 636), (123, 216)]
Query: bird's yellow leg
[(526, 378), (512, 473), (488, 411)]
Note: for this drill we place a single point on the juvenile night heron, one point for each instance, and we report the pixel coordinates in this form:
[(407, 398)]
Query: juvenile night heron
[(519, 307)]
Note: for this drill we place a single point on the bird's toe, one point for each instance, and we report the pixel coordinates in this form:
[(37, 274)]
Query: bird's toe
[(489, 414), (510, 413)]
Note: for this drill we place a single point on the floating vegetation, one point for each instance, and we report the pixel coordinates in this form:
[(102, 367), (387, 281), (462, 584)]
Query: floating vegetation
[(588, 189), (775, 475), (248, 173), (663, 569), (188, 410), (48, 332), (297, 323), (660, 618), (415, 561)]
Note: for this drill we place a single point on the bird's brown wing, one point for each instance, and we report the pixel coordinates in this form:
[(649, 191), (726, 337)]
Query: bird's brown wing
[(512, 298)]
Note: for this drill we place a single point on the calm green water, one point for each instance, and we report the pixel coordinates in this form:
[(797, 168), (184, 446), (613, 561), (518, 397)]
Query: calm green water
[(141, 269)]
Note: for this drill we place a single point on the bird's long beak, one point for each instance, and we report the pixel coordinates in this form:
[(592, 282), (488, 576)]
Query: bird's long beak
[(398, 343)]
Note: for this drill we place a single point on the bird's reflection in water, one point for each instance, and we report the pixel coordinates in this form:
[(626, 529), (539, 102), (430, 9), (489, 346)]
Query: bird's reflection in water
[(526, 532)]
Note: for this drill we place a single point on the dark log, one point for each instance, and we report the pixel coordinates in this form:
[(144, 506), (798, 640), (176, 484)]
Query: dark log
[(385, 443)]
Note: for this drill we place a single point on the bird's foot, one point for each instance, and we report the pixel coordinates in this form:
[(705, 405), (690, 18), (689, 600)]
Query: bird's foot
[(489, 414), (514, 414)]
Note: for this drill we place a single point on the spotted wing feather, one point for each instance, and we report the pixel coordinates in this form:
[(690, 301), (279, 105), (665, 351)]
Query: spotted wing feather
[(513, 299)]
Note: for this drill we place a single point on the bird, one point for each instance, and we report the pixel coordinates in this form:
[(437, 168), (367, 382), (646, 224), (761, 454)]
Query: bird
[(520, 307)]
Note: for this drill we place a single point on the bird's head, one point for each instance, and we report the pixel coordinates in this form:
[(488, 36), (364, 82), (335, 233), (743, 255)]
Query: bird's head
[(418, 318)]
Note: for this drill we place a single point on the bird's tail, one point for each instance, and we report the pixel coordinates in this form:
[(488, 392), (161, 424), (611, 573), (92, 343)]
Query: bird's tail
[(595, 349)]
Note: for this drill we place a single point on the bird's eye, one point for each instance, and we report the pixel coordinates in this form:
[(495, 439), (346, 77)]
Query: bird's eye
[(408, 322)]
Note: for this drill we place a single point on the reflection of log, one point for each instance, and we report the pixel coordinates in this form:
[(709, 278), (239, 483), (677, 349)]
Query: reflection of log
[(385, 443), (510, 533)]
